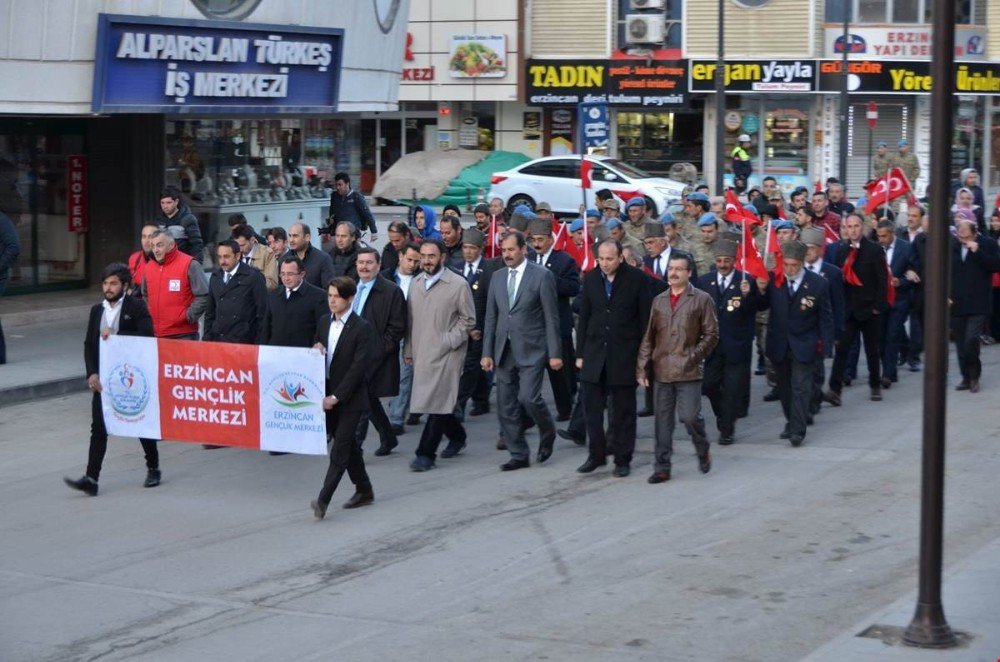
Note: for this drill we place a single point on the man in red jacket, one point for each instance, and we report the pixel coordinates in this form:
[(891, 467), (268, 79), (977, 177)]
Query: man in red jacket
[(138, 260), (175, 289)]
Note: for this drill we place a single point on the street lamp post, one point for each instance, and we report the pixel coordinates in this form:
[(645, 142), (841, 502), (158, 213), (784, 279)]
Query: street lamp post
[(720, 104), (844, 98), (929, 629)]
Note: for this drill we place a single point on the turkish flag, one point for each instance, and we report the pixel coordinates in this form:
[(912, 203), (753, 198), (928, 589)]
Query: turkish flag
[(560, 235), (830, 235), (886, 189), (737, 213), (585, 169), (749, 260), (492, 248), (587, 261)]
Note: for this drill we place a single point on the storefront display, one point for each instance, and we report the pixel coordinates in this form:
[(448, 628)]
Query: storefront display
[(655, 141), (779, 130)]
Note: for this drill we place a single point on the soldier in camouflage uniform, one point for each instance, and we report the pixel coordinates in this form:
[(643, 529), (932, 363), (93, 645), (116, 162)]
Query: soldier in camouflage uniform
[(907, 161), (638, 216), (704, 249), (881, 162)]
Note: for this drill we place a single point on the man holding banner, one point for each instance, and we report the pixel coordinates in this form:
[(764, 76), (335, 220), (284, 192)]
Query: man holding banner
[(118, 314), (348, 341)]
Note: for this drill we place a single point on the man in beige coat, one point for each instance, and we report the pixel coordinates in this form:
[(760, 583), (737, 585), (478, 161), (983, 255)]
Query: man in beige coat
[(681, 333), (442, 316), (254, 255)]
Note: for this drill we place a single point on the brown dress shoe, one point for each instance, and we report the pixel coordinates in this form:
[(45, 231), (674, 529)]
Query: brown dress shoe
[(658, 477)]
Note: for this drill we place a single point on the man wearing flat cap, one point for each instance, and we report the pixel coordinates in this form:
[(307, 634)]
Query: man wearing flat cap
[(815, 241), (727, 369), (477, 271), (799, 333)]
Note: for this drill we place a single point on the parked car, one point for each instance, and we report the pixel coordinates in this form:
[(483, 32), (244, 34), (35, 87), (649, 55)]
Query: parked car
[(556, 180)]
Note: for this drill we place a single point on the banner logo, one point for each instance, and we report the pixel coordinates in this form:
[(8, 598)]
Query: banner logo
[(129, 390), (289, 390)]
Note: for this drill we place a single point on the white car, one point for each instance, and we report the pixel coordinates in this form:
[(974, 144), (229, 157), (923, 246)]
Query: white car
[(556, 180)]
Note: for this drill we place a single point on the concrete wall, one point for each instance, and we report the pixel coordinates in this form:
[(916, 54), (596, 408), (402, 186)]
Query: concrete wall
[(778, 29), (47, 48)]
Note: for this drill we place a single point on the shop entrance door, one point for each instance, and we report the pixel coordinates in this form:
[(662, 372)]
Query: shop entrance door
[(893, 123)]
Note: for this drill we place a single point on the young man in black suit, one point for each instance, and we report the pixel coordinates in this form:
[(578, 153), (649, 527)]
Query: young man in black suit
[(237, 299), (567, 274), (127, 316), (800, 323), (862, 263), (726, 381), (348, 342), (901, 260), (477, 271), (381, 303), (614, 311)]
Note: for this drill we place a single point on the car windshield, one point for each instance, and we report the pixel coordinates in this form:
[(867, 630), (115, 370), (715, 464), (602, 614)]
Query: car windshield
[(629, 170)]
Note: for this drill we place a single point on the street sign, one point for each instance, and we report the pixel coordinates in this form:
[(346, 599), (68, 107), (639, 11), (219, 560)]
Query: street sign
[(872, 115), (594, 127)]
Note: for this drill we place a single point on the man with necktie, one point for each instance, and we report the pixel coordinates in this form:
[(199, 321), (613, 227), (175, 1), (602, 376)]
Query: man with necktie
[(407, 266), (520, 339), (799, 333), (815, 241), (478, 271), (726, 382), (900, 260), (974, 260)]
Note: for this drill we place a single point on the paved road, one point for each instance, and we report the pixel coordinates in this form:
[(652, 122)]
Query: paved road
[(769, 557)]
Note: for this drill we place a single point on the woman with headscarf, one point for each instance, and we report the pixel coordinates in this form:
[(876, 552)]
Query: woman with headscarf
[(425, 221), (965, 200)]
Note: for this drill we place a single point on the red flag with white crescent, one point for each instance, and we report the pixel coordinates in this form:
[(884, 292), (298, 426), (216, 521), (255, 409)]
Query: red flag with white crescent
[(737, 213), (886, 189), (749, 260)]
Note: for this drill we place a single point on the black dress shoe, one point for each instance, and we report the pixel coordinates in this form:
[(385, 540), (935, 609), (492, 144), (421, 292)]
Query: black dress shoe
[(876, 394), (743, 414), (832, 397), (761, 368), (572, 436), (963, 385), (622, 470), (771, 396), (501, 444), (847, 381), (85, 484), (360, 499), (398, 429), (914, 366), (152, 478), (514, 465), (886, 382), (562, 418), (726, 440), (319, 509), (479, 411), (590, 465), (973, 386), (810, 420), (796, 440), (705, 462), (413, 419), (544, 451), (785, 434), (659, 477), (276, 453), (452, 449), (645, 413), (385, 449)]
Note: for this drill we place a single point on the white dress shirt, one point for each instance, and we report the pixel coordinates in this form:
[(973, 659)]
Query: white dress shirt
[(404, 283), (288, 292), (724, 281), (333, 337), (795, 283), (543, 259), (111, 315), (816, 266)]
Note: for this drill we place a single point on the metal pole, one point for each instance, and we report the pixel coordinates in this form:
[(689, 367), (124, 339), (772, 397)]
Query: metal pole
[(929, 629), (871, 137), (844, 98), (720, 103)]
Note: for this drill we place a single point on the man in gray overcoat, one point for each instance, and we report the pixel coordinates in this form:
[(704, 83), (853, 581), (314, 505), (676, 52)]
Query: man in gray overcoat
[(441, 316)]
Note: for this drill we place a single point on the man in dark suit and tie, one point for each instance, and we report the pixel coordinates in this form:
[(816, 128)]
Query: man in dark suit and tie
[(349, 344), (478, 272), (799, 331), (521, 336), (865, 280), (727, 369), (381, 303), (237, 299), (407, 267), (900, 259), (614, 311), (567, 276), (815, 241), (295, 309), (118, 314)]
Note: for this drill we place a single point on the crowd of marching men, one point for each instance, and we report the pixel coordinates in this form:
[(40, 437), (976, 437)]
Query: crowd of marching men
[(449, 311)]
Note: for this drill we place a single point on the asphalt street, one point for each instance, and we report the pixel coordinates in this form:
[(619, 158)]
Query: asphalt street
[(774, 554)]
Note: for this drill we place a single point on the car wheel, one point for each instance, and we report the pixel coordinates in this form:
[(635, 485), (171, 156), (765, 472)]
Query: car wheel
[(651, 208), (519, 200)]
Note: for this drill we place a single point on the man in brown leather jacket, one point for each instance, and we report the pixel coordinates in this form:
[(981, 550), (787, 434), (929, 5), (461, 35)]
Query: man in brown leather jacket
[(682, 332)]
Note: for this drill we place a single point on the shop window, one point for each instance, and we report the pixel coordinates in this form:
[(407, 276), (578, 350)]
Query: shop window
[(779, 136), (655, 141), (967, 12), (563, 168), (992, 183)]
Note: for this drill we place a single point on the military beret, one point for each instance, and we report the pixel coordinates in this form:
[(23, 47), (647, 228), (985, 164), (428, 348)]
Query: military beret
[(706, 219), (636, 202), (539, 226), (724, 248), (697, 197), (576, 225), (653, 230), (793, 250), (614, 223), (593, 213), (783, 225), (813, 236), (668, 219), (474, 237)]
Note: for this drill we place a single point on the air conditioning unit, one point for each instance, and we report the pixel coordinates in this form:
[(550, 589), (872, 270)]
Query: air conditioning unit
[(645, 29), (647, 4)]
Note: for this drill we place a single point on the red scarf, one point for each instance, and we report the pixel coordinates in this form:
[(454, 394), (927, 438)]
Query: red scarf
[(850, 277)]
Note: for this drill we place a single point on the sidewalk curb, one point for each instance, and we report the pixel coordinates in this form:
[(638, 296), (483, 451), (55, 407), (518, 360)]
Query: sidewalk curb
[(42, 390)]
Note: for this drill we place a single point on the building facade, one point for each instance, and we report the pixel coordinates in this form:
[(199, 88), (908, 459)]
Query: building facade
[(247, 106)]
